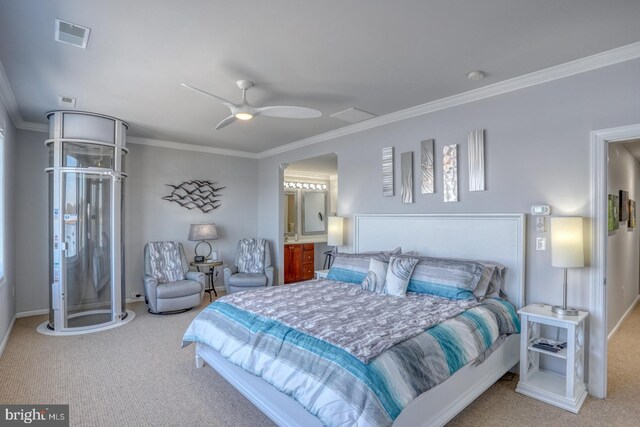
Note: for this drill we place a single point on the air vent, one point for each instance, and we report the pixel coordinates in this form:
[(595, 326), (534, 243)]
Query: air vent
[(65, 101), (66, 32), (352, 115)]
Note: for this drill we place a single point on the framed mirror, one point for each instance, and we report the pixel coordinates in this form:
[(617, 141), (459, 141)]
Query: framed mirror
[(290, 213), (314, 212)]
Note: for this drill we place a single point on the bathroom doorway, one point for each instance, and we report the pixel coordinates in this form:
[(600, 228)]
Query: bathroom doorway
[(310, 197)]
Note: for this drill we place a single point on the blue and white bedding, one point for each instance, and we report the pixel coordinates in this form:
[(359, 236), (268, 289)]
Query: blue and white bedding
[(326, 375)]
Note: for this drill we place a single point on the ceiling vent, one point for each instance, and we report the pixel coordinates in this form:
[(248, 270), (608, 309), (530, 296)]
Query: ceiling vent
[(66, 32), (65, 101), (352, 115)]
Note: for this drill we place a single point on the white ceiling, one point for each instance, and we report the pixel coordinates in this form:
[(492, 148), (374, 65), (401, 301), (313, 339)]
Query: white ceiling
[(376, 55)]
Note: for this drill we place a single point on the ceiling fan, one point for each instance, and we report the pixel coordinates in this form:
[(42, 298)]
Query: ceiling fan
[(245, 111)]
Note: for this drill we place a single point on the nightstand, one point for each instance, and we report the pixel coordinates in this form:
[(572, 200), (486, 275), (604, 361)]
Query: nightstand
[(321, 274), (538, 325)]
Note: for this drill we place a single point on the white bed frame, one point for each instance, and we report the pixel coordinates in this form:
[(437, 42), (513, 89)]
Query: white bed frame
[(495, 237)]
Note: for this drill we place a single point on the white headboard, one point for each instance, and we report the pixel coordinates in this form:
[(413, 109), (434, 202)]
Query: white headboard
[(489, 237)]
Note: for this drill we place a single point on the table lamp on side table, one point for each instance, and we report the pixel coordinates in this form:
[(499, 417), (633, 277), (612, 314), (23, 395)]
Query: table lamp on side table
[(567, 251), (201, 233)]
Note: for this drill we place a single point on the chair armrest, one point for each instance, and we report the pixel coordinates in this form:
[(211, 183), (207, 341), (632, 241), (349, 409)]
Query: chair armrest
[(150, 287), (269, 273), (197, 276), (228, 272)]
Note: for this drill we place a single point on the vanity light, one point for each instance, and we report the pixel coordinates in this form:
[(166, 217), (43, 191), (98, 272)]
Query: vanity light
[(305, 185)]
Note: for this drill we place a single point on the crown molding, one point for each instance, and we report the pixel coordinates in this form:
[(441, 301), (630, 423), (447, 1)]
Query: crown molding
[(189, 147), (589, 63), (582, 65)]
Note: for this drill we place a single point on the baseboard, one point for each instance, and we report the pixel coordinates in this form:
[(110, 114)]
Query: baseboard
[(5, 340), (624, 317), (32, 313)]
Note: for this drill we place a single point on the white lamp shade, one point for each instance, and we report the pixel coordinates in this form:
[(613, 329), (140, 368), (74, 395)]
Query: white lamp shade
[(203, 232), (335, 231), (567, 242)]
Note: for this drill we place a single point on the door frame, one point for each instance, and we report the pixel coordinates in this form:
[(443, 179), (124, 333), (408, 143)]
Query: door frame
[(598, 344)]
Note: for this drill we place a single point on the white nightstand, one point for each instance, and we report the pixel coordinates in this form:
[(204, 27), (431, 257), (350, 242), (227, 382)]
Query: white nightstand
[(321, 274), (566, 391)]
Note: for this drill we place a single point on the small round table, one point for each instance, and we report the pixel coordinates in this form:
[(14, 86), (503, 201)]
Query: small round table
[(211, 273)]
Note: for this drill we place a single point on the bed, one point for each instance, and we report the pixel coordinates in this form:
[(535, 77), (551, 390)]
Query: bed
[(496, 237)]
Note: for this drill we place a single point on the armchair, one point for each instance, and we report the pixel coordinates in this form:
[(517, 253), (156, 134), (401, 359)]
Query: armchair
[(169, 286), (252, 266)]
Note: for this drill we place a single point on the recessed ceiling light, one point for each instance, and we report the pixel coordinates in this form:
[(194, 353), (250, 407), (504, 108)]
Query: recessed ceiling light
[(72, 34), (352, 115), (476, 75)]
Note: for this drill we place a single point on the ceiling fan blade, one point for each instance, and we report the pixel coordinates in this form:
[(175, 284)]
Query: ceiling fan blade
[(222, 100), (226, 122), (289, 112)]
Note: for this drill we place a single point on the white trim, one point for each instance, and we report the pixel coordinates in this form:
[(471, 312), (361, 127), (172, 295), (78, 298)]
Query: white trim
[(599, 234), (589, 63), (32, 313), (567, 69), (189, 147), (623, 318), (5, 340)]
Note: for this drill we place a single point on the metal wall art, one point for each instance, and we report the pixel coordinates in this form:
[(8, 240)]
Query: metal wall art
[(387, 171), (426, 165), (450, 172), (476, 160), (195, 194), (406, 170)]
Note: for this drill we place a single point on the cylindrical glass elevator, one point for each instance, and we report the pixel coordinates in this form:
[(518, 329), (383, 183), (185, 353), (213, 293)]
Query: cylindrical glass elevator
[(86, 254)]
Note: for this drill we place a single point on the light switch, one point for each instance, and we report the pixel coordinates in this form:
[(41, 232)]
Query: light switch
[(541, 243)]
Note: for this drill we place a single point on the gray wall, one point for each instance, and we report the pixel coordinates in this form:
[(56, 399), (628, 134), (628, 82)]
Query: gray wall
[(537, 151), (147, 217), (623, 250), (7, 298)]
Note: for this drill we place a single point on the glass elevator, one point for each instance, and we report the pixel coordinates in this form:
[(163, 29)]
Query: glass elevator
[(86, 254)]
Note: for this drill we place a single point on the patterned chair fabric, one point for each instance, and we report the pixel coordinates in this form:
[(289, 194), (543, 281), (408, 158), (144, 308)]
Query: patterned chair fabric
[(252, 266), (169, 286)]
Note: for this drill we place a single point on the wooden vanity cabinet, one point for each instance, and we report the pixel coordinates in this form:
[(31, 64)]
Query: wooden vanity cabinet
[(299, 261)]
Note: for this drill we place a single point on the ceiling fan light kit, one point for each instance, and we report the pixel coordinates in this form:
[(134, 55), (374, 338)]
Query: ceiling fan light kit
[(245, 111)]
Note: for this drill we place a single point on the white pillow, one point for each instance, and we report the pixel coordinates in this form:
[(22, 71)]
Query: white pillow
[(375, 279), (398, 275)]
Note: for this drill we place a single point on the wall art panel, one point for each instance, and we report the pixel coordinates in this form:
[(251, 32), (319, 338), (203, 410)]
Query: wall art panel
[(450, 172), (426, 164)]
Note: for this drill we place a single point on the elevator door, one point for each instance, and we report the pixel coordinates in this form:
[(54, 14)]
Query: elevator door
[(87, 285)]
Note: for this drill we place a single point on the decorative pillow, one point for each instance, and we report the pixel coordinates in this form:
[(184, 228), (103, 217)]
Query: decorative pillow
[(165, 260), (445, 277), (491, 281), (375, 279), (398, 275), (250, 256), (352, 268)]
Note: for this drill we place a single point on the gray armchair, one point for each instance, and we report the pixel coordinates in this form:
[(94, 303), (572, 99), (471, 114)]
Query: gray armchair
[(169, 286), (252, 266)]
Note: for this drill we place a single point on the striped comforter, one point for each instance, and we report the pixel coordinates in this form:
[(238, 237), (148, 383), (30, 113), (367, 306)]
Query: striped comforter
[(334, 385)]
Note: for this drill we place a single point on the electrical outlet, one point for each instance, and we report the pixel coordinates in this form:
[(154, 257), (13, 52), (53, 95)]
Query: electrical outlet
[(541, 244)]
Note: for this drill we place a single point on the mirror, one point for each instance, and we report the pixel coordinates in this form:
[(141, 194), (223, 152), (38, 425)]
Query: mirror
[(290, 213), (314, 212)]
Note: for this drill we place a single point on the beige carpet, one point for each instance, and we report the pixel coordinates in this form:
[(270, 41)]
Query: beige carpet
[(137, 375)]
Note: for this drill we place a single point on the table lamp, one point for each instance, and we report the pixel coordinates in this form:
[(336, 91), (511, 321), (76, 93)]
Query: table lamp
[(201, 233), (335, 234), (567, 251)]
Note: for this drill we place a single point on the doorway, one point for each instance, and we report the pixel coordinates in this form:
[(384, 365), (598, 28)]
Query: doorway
[(598, 346), (310, 197)]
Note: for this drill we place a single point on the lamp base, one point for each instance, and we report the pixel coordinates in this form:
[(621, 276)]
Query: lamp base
[(564, 311)]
